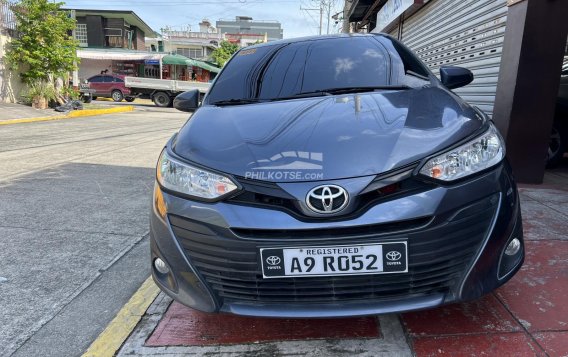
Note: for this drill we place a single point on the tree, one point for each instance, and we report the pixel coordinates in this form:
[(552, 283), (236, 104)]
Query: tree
[(222, 54), (44, 45)]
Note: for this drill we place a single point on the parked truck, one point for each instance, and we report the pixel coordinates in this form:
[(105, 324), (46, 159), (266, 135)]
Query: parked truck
[(161, 91)]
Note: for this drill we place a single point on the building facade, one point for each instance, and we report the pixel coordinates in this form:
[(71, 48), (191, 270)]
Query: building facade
[(111, 41), (249, 30), (10, 84), (192, 44), (111, 29)]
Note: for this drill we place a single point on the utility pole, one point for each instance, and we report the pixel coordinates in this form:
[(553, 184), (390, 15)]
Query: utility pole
[(320, 9), (323, 6), (328, 15), (321, 17)]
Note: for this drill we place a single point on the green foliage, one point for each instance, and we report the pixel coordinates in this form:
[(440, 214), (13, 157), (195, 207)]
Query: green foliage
[(44, 46), (222, 54), (39, 89), (70, 93)]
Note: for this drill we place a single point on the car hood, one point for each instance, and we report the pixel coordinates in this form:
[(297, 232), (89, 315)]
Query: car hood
[(326, 138)]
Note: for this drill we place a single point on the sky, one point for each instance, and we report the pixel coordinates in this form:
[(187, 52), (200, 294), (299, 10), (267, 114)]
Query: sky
[(179, 14)]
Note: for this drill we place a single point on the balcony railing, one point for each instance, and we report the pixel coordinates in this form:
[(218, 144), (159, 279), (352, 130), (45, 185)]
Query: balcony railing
[(7, 17), (187, 34)]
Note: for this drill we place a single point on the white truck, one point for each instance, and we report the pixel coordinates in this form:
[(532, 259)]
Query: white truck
[(162, 91)]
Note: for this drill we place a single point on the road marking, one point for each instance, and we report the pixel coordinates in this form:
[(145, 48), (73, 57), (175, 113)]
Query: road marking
[(73, 114), (114, 335)]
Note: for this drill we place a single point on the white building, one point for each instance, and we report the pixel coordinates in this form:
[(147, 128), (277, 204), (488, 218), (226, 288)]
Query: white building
[(193, 44)]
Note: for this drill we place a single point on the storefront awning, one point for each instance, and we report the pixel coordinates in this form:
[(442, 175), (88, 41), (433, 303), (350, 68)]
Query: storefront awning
[(176, 59), (205, 66), (182, 60), (108, 54), (147, 57)]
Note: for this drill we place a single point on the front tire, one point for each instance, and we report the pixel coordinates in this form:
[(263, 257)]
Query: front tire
[(117, 96), (162, 100)]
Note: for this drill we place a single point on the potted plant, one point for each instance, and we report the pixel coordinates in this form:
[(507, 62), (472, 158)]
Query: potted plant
[(40, 93)]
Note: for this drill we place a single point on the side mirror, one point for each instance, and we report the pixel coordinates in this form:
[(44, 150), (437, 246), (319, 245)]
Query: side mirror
[(455, 77), (187, 101)]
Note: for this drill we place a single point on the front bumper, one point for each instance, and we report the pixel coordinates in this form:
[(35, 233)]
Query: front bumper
[(456, 236)]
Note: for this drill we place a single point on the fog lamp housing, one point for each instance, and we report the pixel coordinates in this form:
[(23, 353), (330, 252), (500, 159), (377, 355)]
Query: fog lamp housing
[(513, 247), (161, 266), (511, 256)]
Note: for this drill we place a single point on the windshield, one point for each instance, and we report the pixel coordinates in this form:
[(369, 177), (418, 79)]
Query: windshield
[(292, 69)]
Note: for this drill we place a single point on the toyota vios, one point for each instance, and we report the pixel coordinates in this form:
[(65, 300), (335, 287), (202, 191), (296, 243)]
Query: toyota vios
[(333, 176)]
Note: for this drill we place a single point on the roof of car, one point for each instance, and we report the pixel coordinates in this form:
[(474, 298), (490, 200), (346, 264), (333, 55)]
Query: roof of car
[(316, 38), (109, 75)]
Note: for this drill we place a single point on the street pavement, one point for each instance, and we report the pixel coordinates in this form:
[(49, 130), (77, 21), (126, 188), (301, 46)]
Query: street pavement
[(74, 202)]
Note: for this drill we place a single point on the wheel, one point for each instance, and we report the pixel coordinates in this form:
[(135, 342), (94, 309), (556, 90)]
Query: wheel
[(162, 100), (117, 95), (87, 98), (557, 146), (94, 98), (129, 99)]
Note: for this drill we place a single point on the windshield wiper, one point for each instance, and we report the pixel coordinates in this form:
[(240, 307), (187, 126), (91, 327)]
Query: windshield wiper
[(362, 89), (237, 101), (317, 93), (342, 90)]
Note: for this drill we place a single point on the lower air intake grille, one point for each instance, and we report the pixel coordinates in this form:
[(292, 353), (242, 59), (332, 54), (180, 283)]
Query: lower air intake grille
[(439, 256)]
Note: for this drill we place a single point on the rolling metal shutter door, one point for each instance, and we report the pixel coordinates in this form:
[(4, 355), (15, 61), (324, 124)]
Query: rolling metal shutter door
[(394, 31), (466, 33)]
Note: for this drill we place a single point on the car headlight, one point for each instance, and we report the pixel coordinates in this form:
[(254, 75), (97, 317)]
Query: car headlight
[(479, 154), (186, 179)]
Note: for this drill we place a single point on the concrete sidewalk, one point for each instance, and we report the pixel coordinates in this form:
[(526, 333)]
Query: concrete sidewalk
[(9, 111), (526, 317), (18, 114)]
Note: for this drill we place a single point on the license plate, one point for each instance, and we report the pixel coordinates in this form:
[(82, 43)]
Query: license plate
[(384, 258)]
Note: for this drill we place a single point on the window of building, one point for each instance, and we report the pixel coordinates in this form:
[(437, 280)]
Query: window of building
[(190, 52), (114, 38), (81, 35)]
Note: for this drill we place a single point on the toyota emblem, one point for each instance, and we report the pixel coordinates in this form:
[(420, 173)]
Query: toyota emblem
[(273, 260), (327, 199), (393, 256)]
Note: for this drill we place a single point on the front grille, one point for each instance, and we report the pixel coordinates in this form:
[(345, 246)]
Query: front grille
[(439, 256), (333, 233)]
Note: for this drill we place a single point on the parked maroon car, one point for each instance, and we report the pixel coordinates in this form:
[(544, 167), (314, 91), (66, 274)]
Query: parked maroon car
[(109, 86)]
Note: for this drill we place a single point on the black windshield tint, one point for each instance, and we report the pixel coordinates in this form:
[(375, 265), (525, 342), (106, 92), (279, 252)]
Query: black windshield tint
[(286, 70)]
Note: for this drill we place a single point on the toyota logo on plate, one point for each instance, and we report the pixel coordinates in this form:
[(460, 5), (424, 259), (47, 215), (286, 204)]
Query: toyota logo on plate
[(327, 199), (393, 256), (273, 260)]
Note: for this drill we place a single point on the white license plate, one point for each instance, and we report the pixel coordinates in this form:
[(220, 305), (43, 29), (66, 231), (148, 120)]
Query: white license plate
[(384, 258)]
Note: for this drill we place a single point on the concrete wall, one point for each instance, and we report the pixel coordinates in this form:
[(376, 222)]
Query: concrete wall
[(10, 84), (91, 67), (139, 42), (273, 29), (95, 31)]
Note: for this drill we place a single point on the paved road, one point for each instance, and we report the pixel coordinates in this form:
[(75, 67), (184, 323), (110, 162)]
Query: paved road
[(74, 202)]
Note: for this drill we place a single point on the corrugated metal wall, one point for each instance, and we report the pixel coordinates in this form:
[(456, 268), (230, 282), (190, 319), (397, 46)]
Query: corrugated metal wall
[(467, 33)]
